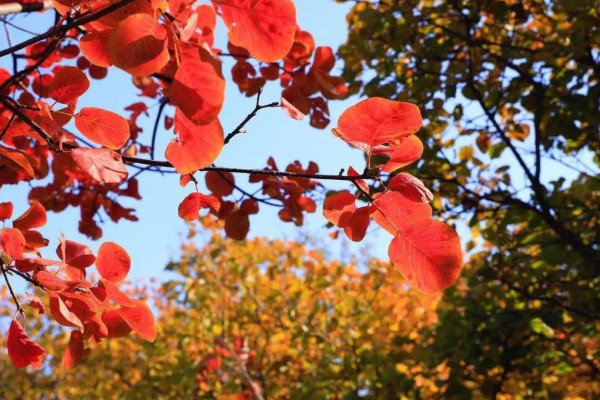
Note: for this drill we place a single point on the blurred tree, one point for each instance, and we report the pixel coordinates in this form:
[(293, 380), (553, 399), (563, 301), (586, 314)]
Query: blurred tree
[(275, 320), (512, 90)]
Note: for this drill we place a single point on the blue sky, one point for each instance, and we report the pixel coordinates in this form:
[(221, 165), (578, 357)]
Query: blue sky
[(155, 238)]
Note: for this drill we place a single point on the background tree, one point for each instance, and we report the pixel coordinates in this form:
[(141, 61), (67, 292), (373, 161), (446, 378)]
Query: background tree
[(274, 319), (512, 94)]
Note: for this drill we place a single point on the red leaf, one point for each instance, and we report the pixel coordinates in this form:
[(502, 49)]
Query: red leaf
[(265, 27), (75, 254), (189, 209), (198, 88), (103, 127), (237, 225), (428, 255), (51, 282), (290, 109), (339, 208), (115, 294), (104, 165), (357, 225), (68, 84), (307, 204), (219, 183), (140, 320), (197, 146), (31, 264), (115, 324), (113, 262), (360, 182), (34, 217), (13, 242), (411, 187), (6, 211), (75, 351), (36, 303), (139, 45), (249, 206), (21, 349), (395, 213), (407, 151), (94, 46), (62, 314), (375, 121)]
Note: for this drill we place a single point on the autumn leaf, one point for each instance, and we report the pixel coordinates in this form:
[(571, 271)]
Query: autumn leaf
[(376, 121), (21, 349), (265, 27), (103, 127), (189, 209), (411, 187), (104, 165), (140, 320), (196, 147), (34, 217), (68, 84), (13, 242), (138, 45), (395, 213), (339, 208), (113, 262), (94, 46), (428, 254)]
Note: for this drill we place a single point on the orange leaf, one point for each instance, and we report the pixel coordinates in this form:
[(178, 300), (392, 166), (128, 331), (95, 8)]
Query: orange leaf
[(21, 349), (411, 187), (75, 254), (114, 293), (139, 45), (62, 314), (198, 87), (113, 262), (104, 165), (428, 255), (197, 146), (51, 282), (140, 320), (375, 121), (189, 209), (34, 217), (265, 27), (394, 212), (68, 84), (103, 127)]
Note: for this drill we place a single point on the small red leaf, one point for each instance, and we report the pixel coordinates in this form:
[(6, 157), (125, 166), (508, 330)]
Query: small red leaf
[(220, 183), (36, 303), (51, 282), (189, 209), (75, 254), (62, 314), (265, 27), (394, 212), (6, 210), (104, 165), (115, 324), (34, 217), (428, 255), (376, 121), (357, 225), (13, 242), (140, 320), (113, 262), (237, 225), (21, 349), (75, 351), (339, 208), (115, 294), (411, 187), (68, 84), (407, 151), (197, 146), (94, 46), (103, 127)]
